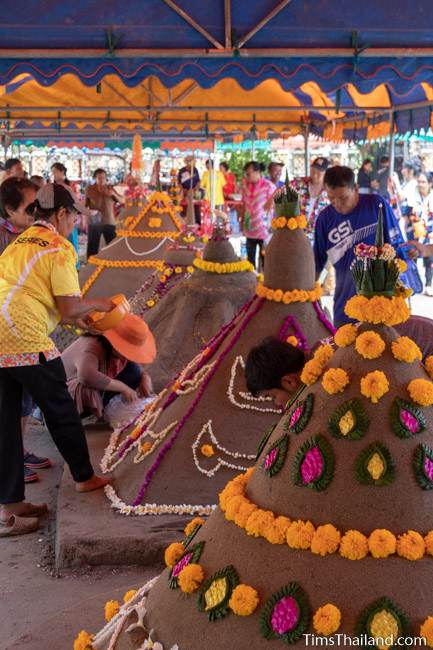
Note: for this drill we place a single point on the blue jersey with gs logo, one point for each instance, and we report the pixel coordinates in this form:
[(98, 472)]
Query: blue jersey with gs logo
[(337, 234)]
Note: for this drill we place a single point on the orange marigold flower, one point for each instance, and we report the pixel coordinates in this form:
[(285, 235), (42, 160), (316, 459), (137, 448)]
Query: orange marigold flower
[(354, 545), (382, 543), (300, 534), (326, 540), (411, 545)]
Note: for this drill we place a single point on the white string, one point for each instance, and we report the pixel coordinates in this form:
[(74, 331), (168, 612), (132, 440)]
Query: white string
[(152, 250)]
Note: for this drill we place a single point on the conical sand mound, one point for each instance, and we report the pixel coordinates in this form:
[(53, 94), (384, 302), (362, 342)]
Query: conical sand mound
[(332, 532), (196, 308), (139, 249), (204, 427)]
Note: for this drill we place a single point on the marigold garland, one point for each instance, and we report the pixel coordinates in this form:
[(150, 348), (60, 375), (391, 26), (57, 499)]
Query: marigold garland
[(327, 619), (374, 385), (429, 365), (112, 607), (287, 297), (90, 280), (314, 368), (83, 641), (426, 631), (119, 264), (404, 349), (324, 540), (421, 391), (379, 309), (227, 267), (370, 345), (244, 600), (190, 578), (292, 223), (345, 335), (335, 380), (146, 234), (173, 553)]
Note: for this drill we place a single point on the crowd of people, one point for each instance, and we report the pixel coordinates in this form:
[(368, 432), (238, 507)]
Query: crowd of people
[(39, 287)]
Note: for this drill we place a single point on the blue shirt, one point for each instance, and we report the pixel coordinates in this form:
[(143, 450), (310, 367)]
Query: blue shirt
[(337, 234)]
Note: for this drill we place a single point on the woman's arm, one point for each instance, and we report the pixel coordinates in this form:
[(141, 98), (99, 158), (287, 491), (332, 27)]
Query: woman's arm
[(73, 308), (89, 375)]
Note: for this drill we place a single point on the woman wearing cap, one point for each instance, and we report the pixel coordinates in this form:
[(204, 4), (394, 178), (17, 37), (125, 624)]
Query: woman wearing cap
[(39, 287), (312, 193), (98, 367)]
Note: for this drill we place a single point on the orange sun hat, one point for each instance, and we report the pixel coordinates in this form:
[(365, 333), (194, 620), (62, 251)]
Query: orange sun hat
[(133, 339)]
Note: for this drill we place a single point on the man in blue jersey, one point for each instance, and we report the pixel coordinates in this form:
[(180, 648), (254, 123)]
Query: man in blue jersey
[(350, 218)]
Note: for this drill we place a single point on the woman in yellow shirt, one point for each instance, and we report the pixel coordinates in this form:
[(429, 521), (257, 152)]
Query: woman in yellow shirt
[(38, 288), (206, 184)]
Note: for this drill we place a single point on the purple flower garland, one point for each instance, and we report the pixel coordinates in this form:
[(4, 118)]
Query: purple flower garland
[(323, 318), (169, 444), (290, 321)]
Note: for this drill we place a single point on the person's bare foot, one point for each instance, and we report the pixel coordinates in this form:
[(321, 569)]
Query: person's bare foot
[(22, 509), (94, 483)]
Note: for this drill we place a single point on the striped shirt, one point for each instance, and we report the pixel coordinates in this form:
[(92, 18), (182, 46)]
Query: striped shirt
[(254, 197)]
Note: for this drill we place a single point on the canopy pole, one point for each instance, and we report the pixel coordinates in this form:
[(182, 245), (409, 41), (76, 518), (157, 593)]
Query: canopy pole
[(391, 143), (307, 150), (212, 179)]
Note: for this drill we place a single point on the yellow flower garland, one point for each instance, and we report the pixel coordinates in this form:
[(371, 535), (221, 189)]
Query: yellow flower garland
[(429, 365), (404, 349), (146, 234), (374, 385), (111, 608), (324, 540), (287, 297), (228, 267), (197, 521), (292, 223), (83, 641), (369, 345), (90, 280), (152, 206), (379, 309), (314, 368), (335, 380), (123, 264)]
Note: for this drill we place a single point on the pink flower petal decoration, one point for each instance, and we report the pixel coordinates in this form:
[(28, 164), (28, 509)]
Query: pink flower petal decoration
[(296, 415), (428, 468), (181, 565), (312, 466), (409, 421), (270, 458), (285, 615)]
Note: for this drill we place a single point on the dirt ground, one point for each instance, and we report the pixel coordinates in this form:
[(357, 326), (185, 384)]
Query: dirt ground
[(41, 608)]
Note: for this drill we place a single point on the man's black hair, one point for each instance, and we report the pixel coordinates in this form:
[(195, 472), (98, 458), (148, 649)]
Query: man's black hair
[(269, 362), (384, 160), (339, 176), (11, 163), (99, 171)]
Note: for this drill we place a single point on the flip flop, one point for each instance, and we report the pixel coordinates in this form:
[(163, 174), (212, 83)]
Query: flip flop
[(18, 526), (34, 510)]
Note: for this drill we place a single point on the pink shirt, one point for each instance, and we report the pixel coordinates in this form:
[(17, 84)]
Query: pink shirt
[(254, 196)]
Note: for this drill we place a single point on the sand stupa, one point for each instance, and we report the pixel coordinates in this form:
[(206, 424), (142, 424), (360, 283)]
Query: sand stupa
[(203, 427), (197, 306), (332, 531), (138, 249)]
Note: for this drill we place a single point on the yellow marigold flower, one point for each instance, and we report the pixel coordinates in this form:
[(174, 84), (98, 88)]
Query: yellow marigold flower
[(421, 391), (404, 349), (190, 578), (190, 269), (428, 541), (292, 340), (173, 553), (326, 540), (232, 507), (335, 380), (244, 513), (150, 303), (292, 224), (354, 545), (374, 385), (345, 335), (232, 489), (302, 221), (311, 372), (411, 545), (276, 532), (145, 447), (327, 619), (402, 266), (135, 433), (382, 543), (300, 534), (111, 608), (178, 269), (207, 450), (258, 522), (426, 631), (278, 295), (429, 365), (129, 594), (197, 521), (324, 354), (244, 600), (83, 641), (369, 345)]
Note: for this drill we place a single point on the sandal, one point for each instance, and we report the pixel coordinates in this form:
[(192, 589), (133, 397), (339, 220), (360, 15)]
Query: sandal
[(18, 526)]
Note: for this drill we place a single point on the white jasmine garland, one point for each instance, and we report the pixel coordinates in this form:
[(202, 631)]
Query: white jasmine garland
[(253, 406), (221, 462), (153, 508)]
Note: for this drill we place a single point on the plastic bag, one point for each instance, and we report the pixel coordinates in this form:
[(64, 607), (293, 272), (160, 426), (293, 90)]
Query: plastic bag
[(118, 413)]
